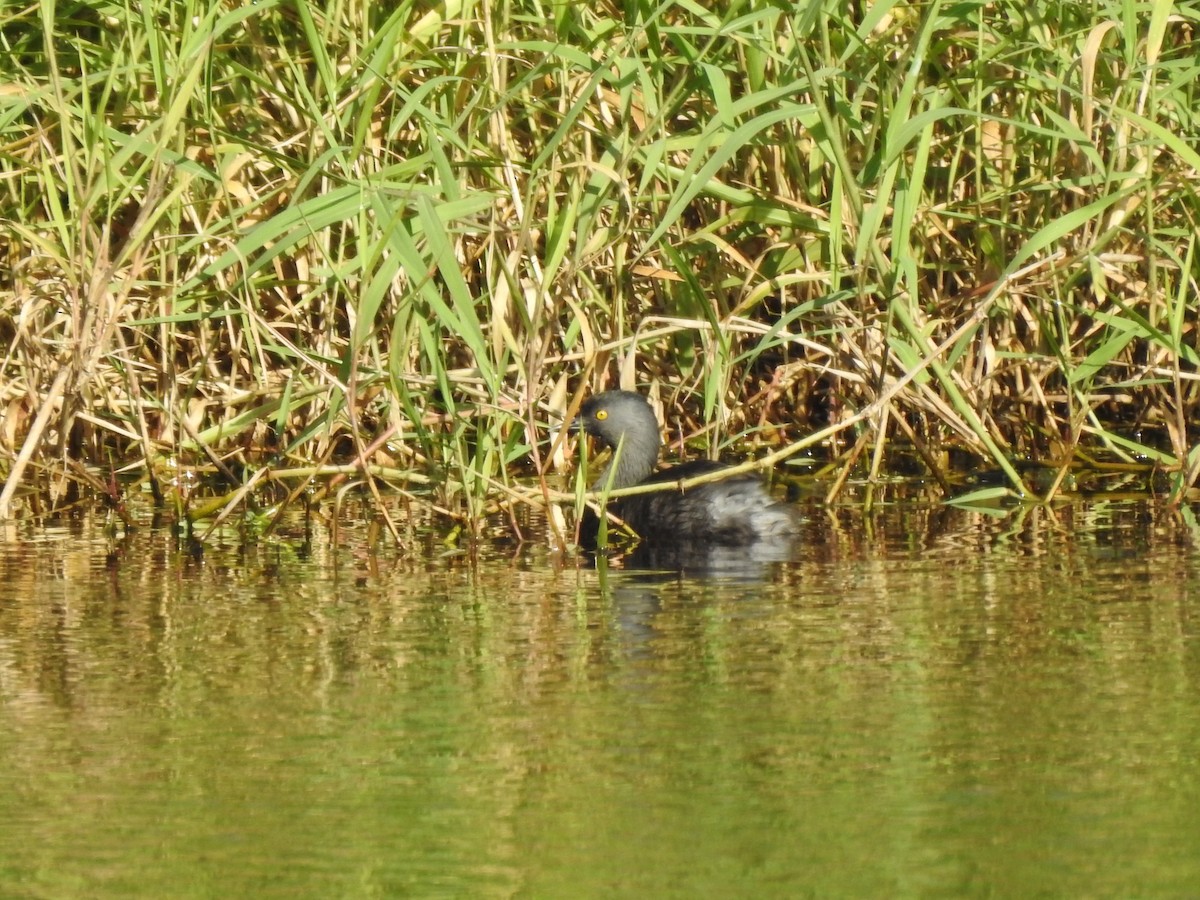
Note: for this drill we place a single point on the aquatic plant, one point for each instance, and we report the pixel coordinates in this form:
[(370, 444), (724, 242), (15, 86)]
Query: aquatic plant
[(301, 243)]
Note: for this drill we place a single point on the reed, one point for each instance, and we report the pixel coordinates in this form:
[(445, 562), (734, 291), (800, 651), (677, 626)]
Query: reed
[(316, 243)]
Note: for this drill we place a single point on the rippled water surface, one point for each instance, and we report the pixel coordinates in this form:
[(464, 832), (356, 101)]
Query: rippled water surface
[(922, 703)]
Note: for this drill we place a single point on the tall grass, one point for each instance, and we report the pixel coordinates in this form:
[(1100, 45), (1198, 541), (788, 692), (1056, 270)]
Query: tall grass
[(355, 240)]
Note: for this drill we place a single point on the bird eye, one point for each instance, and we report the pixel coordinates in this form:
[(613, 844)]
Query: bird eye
[(601, 415)]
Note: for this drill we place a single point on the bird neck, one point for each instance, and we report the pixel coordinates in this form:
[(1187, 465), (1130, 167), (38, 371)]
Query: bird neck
[(632, 462)]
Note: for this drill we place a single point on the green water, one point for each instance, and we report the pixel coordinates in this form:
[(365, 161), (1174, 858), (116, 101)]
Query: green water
[(923, 704)]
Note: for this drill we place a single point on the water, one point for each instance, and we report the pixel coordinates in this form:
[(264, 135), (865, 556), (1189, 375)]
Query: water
[(924, 703)]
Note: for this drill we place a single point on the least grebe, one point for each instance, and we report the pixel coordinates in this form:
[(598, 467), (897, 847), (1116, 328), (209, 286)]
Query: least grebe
[(735, 511)]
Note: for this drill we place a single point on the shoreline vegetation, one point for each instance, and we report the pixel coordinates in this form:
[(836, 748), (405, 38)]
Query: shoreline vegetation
[(254, 253)]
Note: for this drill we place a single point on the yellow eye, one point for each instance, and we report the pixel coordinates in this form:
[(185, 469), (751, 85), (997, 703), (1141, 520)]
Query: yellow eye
[(601, 415)]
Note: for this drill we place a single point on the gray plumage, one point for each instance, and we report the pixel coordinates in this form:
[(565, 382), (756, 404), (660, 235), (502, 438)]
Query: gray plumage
[(735, 511)]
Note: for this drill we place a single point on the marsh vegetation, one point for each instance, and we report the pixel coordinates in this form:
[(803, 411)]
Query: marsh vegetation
[(286, 247)]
